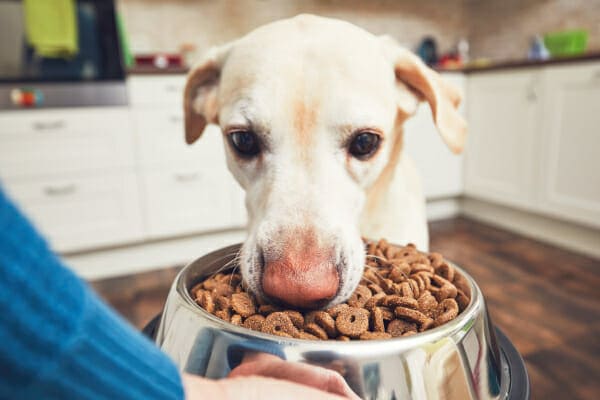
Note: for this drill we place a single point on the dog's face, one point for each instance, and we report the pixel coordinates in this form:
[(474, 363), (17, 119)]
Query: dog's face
[(309, 110)]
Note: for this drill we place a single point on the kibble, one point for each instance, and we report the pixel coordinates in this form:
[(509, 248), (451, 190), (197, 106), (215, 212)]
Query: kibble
[(402, 292)]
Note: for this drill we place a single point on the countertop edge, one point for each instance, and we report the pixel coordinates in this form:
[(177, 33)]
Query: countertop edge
[(499, 66)]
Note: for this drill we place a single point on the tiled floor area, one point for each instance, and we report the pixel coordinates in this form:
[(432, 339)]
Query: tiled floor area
[(546, 300)]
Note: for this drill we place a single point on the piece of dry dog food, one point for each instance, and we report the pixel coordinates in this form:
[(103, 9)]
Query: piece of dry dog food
[(402, 292), (352, 321)]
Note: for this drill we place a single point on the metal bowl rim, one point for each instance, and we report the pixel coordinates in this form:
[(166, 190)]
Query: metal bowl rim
[(421, 338)]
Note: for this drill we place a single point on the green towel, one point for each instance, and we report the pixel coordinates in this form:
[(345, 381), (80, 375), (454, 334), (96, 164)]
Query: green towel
[(125, 49), (51, 27)]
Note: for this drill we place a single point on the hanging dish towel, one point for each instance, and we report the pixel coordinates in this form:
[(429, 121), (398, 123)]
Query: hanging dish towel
[(51, 27)]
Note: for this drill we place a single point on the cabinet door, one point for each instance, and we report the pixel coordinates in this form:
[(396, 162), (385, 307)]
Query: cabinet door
[(188, 200), (157, 90), (76, 212), (500, 159), (161, 139), (570, 164), (440, 169), (37, 143)]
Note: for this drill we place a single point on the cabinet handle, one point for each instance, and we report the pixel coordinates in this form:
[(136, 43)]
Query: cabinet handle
[(531, 95), (186, 176), (63, 190), (175, 119), (172, 88), (48, 125)]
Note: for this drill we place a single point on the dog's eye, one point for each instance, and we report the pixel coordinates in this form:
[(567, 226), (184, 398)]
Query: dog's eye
[(364, 144), (246, 143)]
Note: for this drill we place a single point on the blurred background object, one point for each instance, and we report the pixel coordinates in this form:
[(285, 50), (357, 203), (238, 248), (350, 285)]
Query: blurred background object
[(566, 43), (538, 50), (427, 50), (497, 30), (67, 52)]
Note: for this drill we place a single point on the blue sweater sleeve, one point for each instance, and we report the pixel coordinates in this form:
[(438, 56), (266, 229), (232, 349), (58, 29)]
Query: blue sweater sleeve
[(58, 340)]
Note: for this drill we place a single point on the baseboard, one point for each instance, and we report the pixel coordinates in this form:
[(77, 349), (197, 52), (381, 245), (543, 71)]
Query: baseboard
[(545, 229), (442, 208), (147, 256)]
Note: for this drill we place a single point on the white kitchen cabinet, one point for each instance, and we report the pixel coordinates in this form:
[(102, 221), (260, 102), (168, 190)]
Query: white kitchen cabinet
[(79, 212), (155, 90), (189, 200), (162, 143), (440, 169), (71, 170), (534, 138), (501, 155), (570, 160), (186, 188), (51, 142)]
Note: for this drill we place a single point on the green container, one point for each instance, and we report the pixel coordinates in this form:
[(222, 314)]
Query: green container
[(566, 43)]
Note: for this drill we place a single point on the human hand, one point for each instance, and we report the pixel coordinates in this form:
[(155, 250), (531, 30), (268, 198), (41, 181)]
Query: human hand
[(268, 365), (250, 388), (263, 376)]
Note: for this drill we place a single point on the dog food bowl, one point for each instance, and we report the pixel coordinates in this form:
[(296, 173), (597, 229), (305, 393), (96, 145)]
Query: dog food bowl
[(463, 359)]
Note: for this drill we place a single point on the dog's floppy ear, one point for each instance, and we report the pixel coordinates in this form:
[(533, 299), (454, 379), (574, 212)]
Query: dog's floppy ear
[(200, 95), (443, 97)]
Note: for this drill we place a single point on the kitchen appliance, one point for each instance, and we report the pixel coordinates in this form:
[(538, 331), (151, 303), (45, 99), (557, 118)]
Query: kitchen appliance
[(466, 358), (35, 73)]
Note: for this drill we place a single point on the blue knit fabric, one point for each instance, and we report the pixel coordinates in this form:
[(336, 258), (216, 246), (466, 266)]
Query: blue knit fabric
[(58, 340)]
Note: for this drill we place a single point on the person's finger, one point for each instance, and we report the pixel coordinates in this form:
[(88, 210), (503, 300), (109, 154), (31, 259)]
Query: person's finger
[(317, 377), (196, 387), (261, 388)]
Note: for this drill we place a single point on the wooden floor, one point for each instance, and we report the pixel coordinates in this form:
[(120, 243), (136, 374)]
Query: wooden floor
[(546, 300)]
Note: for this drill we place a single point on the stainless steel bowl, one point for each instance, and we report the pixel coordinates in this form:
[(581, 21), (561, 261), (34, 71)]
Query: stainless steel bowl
[(459, 360)]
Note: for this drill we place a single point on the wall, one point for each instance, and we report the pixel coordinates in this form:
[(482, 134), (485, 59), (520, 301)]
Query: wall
[(499, 29), (155, 25), (502, 29)]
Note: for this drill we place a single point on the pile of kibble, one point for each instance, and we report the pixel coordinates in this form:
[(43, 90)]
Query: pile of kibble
[(402, 292)]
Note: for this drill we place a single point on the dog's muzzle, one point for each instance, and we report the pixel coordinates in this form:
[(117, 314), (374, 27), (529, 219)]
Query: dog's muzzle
[(305, 280)]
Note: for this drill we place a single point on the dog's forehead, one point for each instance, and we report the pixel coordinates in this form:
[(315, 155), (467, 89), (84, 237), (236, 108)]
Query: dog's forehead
[(308, 57)]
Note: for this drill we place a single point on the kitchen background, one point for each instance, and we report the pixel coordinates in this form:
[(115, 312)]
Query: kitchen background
[(126, 203), (499, 30)]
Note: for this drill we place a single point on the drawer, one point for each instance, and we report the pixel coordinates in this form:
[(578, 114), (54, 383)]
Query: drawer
[(79, 213), (188, 200), (157, 90), (161, 138), (34, 143)]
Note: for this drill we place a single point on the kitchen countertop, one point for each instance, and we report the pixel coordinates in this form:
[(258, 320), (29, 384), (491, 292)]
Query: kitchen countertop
[(492, 66), (514, 64), (157, 71)]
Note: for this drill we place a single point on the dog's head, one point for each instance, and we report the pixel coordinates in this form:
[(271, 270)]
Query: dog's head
[(309, 109)]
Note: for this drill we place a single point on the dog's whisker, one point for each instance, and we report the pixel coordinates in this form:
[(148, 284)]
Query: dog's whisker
[(235, 259), (369, 280), (232, 273), (224, 267), (221, 258), (375, 271)]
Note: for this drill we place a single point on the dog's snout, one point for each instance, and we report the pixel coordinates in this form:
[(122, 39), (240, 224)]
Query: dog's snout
[(300, 279)]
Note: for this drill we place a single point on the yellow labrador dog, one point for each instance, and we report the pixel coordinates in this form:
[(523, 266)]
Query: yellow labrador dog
[(311, 111)]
